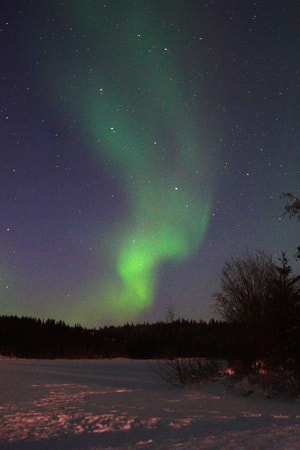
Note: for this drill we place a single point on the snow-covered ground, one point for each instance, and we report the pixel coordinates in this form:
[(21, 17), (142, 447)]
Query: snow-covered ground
[(123, 404)]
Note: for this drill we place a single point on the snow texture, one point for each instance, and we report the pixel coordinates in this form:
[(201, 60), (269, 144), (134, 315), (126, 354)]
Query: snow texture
[(124, 404)]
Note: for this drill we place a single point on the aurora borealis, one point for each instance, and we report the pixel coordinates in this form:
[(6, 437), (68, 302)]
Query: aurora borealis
[(144, 144), (144, 129)]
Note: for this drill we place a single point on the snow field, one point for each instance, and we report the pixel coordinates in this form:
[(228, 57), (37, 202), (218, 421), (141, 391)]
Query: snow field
[(124, 404)]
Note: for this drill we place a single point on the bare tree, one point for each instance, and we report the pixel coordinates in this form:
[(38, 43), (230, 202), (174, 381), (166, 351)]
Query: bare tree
[(292, 208), (264, 300), (170, 314), (246, 287)]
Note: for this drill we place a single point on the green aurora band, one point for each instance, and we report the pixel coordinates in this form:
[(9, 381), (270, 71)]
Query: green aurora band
[(144, 129)]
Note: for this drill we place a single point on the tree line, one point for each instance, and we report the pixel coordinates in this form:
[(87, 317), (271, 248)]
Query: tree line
[(28, 337)]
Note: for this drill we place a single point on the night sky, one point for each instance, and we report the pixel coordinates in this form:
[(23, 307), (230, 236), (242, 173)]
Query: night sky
[(143, 144)]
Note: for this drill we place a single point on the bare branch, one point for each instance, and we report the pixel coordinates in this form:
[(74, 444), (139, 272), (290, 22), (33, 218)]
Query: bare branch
[(292, 208)]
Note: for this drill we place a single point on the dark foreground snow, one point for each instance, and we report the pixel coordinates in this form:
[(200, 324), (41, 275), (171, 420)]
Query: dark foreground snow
[(124, 404)]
